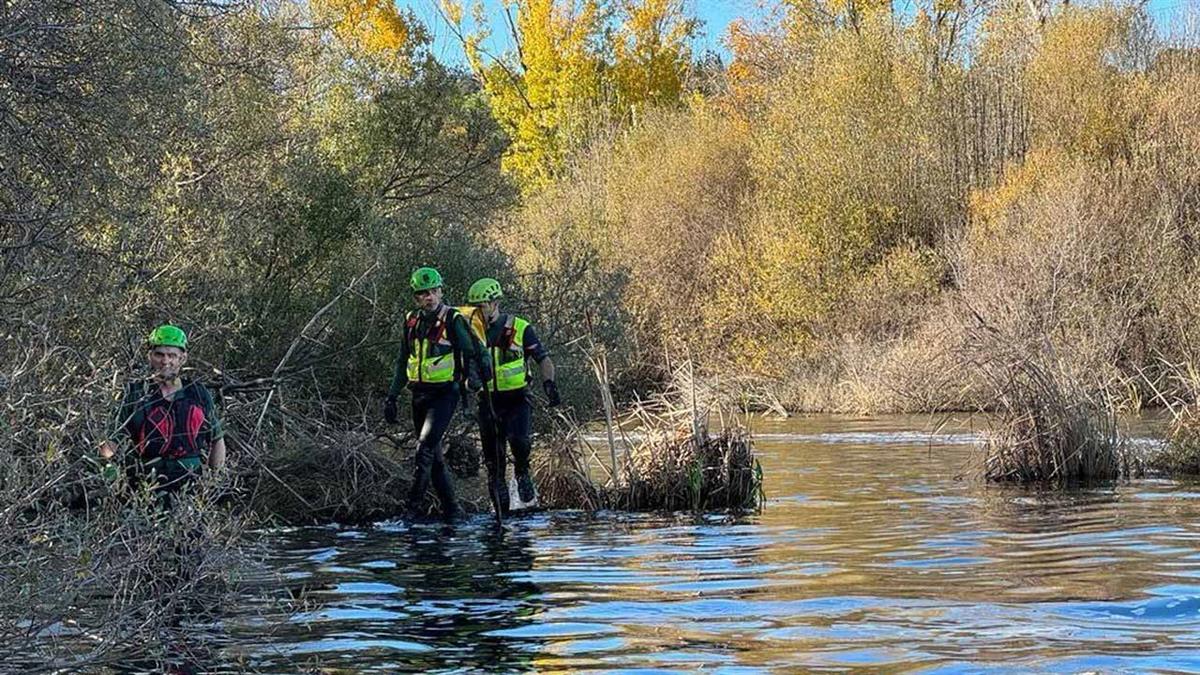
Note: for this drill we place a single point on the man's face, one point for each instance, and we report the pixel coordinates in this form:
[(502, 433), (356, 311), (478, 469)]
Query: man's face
[(167, 362), (429, 299), (489, 309)]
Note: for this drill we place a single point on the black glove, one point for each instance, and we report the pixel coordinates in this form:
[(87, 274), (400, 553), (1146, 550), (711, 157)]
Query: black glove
[(551, 393), (389, 410)]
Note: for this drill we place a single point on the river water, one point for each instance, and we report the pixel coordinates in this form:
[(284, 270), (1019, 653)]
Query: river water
[(871, 553)]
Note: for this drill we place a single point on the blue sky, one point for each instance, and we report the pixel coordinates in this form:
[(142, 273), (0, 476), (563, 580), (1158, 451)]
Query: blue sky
[(716, 15)]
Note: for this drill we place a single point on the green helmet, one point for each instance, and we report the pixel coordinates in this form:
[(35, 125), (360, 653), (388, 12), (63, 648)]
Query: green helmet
[(167, 335), (484, 290), (426, 278)]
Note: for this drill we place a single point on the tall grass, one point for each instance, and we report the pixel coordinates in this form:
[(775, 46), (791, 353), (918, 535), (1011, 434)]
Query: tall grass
[(1051, 422), (672, 461)]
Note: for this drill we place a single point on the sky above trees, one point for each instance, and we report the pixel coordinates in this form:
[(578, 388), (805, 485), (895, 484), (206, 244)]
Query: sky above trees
[(716, 15)]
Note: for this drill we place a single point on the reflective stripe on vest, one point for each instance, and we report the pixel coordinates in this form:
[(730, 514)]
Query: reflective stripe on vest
[(431, 357), (508, 357)]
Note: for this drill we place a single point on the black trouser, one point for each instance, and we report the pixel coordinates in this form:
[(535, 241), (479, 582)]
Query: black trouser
[(511, 424), (432, 410)]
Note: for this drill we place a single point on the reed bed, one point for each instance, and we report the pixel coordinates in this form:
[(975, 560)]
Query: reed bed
[(676, 469), (1179, 455), (1051, 424), (673, 462), (309, 469)]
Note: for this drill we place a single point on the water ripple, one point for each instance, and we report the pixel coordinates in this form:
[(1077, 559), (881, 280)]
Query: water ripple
[(870, 555)]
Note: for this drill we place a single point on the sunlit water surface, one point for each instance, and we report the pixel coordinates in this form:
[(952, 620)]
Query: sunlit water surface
[(872, 552)]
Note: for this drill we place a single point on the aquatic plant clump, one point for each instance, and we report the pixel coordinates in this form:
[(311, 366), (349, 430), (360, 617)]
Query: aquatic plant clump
[(1049, 428), (1045, 442), (679, 469), (672, 463)]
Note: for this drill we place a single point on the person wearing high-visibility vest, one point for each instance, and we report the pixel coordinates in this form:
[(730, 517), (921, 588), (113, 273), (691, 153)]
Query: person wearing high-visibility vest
[(437, 355), (511, 340)]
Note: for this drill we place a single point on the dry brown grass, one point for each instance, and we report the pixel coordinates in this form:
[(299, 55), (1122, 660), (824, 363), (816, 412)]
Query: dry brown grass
[(1052, 424), (347, 478), (87, 588), (673, 461), (564, 481), (1181, 456), (675, 469), (677, 463), (1180, 453)]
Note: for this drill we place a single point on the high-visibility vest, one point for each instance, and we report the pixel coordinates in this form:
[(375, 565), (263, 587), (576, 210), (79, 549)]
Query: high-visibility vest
[(508, 356), (431, 356)]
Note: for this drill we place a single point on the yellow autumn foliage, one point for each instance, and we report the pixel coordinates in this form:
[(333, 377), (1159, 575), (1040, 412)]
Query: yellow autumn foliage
[(651, 52), (1083, 83), (842, 158), (577, 68), (646, 205), (868, 179), (373, 25)]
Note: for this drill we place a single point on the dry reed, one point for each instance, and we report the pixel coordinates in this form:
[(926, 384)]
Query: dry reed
[(676, 469), (673, 461), (1050, 423), (1179, 455)]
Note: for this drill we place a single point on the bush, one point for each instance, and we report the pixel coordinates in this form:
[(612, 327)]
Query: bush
[(254, 179)]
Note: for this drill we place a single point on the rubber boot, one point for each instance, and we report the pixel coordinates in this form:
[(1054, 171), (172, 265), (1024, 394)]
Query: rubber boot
[(423, 464), (445, 490), (525, 487)]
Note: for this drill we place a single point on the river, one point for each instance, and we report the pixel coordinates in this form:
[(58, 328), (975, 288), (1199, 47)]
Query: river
[(872, 552)]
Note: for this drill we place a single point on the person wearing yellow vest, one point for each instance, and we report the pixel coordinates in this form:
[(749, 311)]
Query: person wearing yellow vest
[(437, 355), (511, 340)]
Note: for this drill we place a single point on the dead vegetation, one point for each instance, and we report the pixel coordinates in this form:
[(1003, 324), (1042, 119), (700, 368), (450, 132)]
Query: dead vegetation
[(672, 460), (1051, 424), (1180, 453)]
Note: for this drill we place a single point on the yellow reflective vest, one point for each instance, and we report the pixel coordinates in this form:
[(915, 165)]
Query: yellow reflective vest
[(430, 356), (508, 356)]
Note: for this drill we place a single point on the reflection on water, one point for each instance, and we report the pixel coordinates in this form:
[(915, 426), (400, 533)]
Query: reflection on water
[(870, 553)]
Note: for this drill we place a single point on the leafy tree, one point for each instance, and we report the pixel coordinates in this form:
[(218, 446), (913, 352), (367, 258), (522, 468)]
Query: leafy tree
[(572, 73), (376, 25)]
